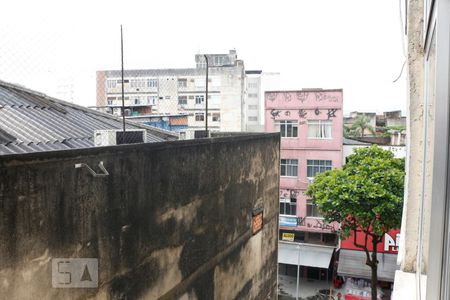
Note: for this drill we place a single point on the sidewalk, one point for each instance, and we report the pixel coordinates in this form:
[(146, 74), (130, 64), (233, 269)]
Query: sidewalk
[(307, 288)]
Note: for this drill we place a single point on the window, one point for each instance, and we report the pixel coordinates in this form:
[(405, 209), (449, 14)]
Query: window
[(182, 135), (199, 117), (182, 100), (167, 97), (252, 107), (152, 82), (182, 82), (319, 129), (288, 206), (252, 85), (111, 83), (311, 209), (199, 99), (253, 118), (216, 117), (314, 167), (287, 128), (137, 83), (253, 95), (152, 100), (289, 167)]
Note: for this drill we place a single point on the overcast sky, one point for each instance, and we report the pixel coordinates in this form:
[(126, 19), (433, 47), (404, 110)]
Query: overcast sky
[(351, 44)]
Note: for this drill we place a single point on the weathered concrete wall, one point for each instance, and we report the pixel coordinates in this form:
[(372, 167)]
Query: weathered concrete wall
[(172, 220)]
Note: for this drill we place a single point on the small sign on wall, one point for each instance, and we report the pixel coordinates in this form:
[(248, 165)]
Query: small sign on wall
[(257, 221), (287, 236)]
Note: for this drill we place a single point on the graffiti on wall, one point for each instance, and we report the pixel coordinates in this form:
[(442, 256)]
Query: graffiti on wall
[(287, 97), (302, 113), (288, 193), (275, 113), (321, 96), (272, 96), (332, 113), (302, 96)]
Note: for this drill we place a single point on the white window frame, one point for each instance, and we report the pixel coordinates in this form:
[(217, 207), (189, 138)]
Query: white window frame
[(216, 117), (199, 99), (152, 82), (289, 163), (202, 115), (290, 203), (285, 123), (310, 163), (322, 129), (184, 99)]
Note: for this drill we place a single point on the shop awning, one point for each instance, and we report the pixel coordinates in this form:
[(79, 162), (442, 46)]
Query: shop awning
[(352, 263), (309, 255)]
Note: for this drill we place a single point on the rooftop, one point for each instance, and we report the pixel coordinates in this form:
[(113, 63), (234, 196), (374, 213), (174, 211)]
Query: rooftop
[(34, 122)]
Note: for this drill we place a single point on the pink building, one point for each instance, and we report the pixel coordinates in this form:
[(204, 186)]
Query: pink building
[(311, 126)]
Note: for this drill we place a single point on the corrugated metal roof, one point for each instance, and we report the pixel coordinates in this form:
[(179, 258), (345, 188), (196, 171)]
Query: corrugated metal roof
[(33, 122), (352, 263)]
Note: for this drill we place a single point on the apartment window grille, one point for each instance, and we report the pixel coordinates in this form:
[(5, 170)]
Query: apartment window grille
[(111, 83), (152, 83), (288, 206), (314, 167), (320, 129), (253, 107), (216, 117), (182, 82), (289, 167), (253, 119), (199, 117), (199, 99), (253, 95), (182, 100), (152, 100), (287, 128)]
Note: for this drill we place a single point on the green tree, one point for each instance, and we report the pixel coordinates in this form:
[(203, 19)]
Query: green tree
[(360, 125), (366, 195)]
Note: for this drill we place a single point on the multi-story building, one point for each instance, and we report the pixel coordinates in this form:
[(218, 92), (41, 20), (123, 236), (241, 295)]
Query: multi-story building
[(257, 83), (310, 123), (181, 91)]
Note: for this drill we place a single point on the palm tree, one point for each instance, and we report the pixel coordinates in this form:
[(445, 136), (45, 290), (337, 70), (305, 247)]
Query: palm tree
[(360, 124)]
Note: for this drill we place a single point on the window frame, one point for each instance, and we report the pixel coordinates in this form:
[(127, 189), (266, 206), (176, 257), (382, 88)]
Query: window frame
[(202, 119), (320, 123), (294, 123), (288, 164), (291, 202), (310, 203), (310, 163)]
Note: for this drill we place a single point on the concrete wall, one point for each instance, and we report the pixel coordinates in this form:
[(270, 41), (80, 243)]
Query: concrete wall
[(171, 221)]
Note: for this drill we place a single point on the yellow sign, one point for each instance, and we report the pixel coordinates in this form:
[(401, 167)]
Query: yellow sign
[(288, 237)]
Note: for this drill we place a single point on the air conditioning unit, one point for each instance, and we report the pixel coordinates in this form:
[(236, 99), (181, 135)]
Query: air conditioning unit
[(112, 137), (310, 180)]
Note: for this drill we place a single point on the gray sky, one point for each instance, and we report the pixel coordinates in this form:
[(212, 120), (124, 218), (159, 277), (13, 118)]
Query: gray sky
[(351, 44)]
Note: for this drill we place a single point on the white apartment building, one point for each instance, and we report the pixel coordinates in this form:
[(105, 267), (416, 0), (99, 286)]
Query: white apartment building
[(257, 83), (181, 91)]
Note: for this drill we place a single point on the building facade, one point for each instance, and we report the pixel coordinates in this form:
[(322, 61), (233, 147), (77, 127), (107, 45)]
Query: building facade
[(181, 91), (257, 83), (310, 123)]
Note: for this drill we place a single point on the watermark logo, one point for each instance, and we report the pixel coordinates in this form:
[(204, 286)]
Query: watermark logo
[(75, 272)]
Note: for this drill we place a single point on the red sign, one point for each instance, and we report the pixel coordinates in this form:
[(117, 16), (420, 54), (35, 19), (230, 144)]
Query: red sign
[(389, 244)]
